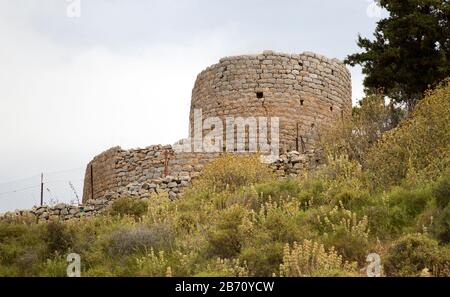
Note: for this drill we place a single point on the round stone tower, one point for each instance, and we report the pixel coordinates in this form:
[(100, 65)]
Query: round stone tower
[(305, 91)]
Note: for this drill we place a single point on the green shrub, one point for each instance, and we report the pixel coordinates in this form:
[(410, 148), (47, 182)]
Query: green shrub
[(278, 190), (405, 205), (153, 264), (441, 191), (278, 224), (351, 198), (26, 261), (313, 192), (247, 197), (413, 253), (356, 133), (231, 172), (352, 248), (141, 239), (224, 268), (418, 147), (129, 206), (263, 260), (8, 230), (440, 226), (58, 237), (345, 232), (310, 258), (54, 267), (225, 239), (379, 220)]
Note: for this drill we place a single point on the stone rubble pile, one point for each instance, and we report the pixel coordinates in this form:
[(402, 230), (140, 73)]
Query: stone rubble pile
[(294, 163), (60, 211), (143, 190), (171, 185)]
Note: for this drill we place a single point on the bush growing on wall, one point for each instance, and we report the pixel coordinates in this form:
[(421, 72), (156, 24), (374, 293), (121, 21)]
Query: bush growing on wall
[(230, 172), (129, 206)]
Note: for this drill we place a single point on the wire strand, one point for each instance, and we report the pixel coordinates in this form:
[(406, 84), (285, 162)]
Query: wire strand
[(38, 175), (19, 190), (18, 180)]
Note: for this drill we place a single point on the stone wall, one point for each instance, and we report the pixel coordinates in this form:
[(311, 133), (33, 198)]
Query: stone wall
[(173, 186), (100, 174), (185, 167), (304, 90), (116, 170)]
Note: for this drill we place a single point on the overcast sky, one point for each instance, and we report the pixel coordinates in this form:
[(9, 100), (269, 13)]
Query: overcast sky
[(122, 73)]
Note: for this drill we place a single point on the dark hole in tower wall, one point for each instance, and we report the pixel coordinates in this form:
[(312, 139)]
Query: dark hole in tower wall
[(259, 95)]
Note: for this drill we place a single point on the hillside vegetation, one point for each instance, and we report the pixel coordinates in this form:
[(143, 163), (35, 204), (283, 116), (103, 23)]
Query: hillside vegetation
[(379, 193)]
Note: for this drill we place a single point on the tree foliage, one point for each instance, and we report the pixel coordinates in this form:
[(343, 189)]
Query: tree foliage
[(410, 52)]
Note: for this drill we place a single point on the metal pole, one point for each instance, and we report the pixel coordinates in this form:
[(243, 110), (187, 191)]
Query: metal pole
[(42, 189), (166, 163), (92, 181)]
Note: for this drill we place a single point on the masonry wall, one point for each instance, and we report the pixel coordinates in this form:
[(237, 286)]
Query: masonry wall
[(305, 91), (186, 165), (116, 170), (100, 175)]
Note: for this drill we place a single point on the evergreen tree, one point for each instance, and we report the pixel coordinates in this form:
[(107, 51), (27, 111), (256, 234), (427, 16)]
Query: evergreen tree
[(410, 52)]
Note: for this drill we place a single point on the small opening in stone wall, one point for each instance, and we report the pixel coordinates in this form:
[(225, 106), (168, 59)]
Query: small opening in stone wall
[(312, 125), (300, 64), (331, 108), (332, 72), (301, 102), (259, 95)]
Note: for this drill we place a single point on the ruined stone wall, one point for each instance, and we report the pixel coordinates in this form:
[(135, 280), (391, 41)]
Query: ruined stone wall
[(184, 167), (122, 171), (305, 91), (100, 175)]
